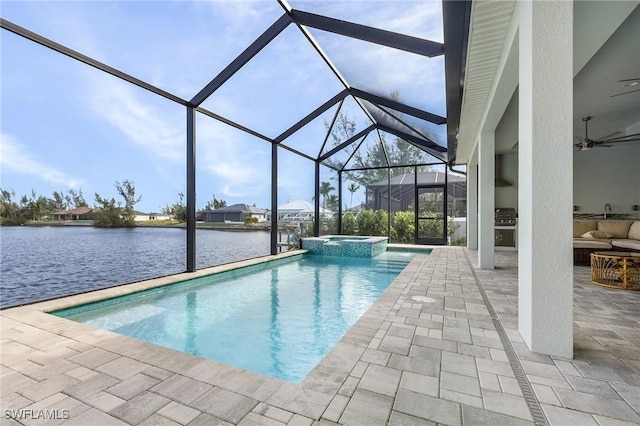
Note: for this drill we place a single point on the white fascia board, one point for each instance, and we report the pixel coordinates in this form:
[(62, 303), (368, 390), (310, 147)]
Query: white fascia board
[(466, 147), (506, 79)]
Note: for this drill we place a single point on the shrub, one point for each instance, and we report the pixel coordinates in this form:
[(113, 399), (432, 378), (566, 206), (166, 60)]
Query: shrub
[(372, 222), (12, 221), (349, 224), (328, 225), (462, 241), (365, 223), (403, 227)]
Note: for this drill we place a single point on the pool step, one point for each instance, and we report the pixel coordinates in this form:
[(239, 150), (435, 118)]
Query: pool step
[(390, 265)]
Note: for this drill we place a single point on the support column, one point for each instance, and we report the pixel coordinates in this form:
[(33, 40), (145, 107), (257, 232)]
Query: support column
[(472, 205), (389, 204), (274, 198), (316, 204), (486, 200), (191, 189), (545, 177), (339, 230)]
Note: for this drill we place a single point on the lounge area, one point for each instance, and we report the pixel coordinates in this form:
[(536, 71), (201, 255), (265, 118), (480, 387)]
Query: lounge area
[(590, 236)]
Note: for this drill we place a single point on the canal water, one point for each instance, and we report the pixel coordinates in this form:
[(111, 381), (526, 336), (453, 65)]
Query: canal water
[(39, 263)]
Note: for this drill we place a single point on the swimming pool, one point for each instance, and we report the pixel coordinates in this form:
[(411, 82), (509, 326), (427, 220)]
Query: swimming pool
[(278, 318)]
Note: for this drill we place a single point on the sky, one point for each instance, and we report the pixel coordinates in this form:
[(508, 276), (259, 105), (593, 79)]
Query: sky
[(65, 125)]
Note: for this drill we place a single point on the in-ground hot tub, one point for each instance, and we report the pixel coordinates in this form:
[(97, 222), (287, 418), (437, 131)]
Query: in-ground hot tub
[(346, 245)]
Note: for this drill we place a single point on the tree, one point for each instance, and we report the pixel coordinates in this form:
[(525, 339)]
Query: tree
[(332, 202), (215, 204), (107, 214), (382, 154), (58, 201), (218, 204), (127, 190), (178, 210), (33, 207), (40, 206), (10, 213), (110, 214), (325, 189), (352, 188), (76, 199)]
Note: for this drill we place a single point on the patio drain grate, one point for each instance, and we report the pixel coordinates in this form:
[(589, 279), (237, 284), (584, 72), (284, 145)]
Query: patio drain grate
[(530, 398)]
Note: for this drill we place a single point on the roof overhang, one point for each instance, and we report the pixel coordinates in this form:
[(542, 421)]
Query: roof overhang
[(490, 73), (488, 29), (456, 16)]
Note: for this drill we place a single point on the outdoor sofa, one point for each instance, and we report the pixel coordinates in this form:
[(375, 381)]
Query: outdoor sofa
[(602, 235)]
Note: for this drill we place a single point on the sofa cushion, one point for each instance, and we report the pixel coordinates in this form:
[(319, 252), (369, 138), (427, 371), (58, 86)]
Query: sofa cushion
[(597, 234), (591, 243), (628, 244), (634, 231), (582, 226), (618, 228)]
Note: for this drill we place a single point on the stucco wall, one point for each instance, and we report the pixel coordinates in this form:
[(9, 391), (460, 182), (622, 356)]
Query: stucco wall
[(507, 196), (601, 175), (607, 175)]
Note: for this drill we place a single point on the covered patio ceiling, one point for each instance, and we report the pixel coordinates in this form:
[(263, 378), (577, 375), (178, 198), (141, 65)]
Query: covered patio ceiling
[(357, 108), (605, 58)]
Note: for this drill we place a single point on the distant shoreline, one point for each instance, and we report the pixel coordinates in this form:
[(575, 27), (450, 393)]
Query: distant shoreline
[(264, 226)]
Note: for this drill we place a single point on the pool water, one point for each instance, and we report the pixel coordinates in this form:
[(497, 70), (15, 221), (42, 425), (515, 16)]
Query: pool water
[(279, 318)]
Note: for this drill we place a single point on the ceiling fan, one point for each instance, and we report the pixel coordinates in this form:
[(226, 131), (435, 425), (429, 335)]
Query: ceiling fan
[(629, 85), (607, 141)]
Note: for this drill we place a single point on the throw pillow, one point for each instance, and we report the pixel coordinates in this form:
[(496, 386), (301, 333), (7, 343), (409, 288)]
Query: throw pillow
[(597, 234)]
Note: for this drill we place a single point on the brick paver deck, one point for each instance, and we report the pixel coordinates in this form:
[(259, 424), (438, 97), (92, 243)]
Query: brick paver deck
[(427, 352)]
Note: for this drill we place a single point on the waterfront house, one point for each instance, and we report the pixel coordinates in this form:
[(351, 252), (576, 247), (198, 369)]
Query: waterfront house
[(238, 213), (159, 216), (79, 213), (299, 211), (398, 192), (140, 216)]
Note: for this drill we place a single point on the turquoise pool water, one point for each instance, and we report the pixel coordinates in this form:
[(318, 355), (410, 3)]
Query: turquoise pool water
[(278, 318)]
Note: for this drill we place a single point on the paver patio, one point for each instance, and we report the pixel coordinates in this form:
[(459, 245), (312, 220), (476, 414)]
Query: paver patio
[(427, 352)]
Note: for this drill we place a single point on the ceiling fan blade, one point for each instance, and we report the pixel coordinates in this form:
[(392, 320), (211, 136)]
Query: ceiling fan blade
[(612, 143), (604, 138), (626, 138), (625, 93)]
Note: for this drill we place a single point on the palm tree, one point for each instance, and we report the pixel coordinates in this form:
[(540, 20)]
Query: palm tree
[(353, 187), (332, 202), (325, 189)]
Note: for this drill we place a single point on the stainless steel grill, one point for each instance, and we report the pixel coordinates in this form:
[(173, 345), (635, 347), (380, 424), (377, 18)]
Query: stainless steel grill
[(505, 217), (506, 229)]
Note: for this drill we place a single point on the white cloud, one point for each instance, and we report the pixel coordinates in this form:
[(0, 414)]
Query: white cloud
[(145, 124), (239, 163), (15, 158)]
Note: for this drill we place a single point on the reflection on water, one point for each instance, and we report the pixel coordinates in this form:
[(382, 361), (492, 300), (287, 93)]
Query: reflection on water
[(45, 262)]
